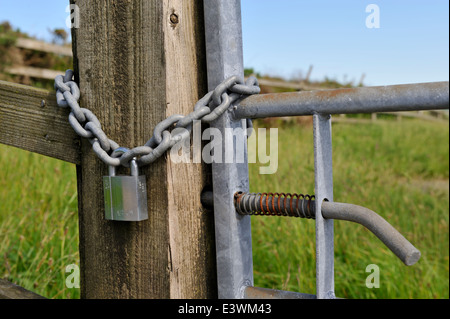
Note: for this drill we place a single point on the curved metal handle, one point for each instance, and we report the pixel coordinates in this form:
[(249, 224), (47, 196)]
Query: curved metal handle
[(395, 241)]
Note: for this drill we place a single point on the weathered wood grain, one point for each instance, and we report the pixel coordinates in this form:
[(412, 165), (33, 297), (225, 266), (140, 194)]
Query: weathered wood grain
[(190, 228), (9, 290), (135, 67), (31, 120)]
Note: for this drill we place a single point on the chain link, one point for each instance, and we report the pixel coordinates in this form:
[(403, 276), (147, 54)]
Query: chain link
[(207, 109)]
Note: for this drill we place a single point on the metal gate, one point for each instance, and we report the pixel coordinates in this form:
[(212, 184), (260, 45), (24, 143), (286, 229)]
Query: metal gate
[(230, 199)]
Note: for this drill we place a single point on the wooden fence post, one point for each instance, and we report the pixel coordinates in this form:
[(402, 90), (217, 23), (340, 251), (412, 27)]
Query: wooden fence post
[(138, 62)]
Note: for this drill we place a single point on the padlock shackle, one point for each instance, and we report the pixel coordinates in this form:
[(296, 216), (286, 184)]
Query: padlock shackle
[(119, 151), (111, 170), (116, 153), (134, 168)]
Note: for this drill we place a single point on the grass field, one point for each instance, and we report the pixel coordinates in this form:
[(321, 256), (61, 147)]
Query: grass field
[(399, 170)]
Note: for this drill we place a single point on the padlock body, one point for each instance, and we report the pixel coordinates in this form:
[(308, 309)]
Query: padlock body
[(125, 198)]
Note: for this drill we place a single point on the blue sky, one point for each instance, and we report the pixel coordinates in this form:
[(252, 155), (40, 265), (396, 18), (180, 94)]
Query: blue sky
[(285, 37)]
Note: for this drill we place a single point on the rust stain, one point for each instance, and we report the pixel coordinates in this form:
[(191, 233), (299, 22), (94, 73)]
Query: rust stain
[(277, 98), (327, 94)]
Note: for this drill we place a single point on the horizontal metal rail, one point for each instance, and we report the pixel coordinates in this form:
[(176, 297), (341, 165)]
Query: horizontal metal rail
[(393, 98)]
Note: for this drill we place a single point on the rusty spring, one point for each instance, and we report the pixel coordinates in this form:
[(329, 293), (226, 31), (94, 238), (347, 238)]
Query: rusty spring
[(275, 204)]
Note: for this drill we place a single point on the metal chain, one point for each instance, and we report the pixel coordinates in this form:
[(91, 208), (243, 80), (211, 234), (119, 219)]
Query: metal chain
[(207, 109)]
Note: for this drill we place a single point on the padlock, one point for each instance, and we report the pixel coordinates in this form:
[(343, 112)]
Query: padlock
[(125, 196)]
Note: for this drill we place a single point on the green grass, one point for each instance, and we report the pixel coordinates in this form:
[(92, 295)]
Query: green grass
[(399, 170), (38, 222)]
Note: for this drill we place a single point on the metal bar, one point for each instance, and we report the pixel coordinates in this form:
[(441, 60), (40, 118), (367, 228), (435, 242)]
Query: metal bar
[(323, 173), (398, 244), (265, 293), (233, 234), (268, 204), (393, 98)]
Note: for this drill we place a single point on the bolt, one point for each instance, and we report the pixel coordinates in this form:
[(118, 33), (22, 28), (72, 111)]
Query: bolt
[(174, 18)]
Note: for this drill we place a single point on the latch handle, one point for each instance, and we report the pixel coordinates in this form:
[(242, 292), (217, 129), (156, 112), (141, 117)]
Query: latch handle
[(395, 241)]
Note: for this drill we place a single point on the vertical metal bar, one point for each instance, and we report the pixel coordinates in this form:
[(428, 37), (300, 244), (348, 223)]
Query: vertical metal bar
[(324, 190), (233, 234)]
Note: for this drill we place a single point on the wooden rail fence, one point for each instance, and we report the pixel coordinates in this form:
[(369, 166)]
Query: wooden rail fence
[(42, 46), (9, 290), (144, 62), (437, 115)]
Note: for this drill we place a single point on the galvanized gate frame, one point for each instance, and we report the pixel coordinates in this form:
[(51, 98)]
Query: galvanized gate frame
[(232, 230), (233, 236)]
